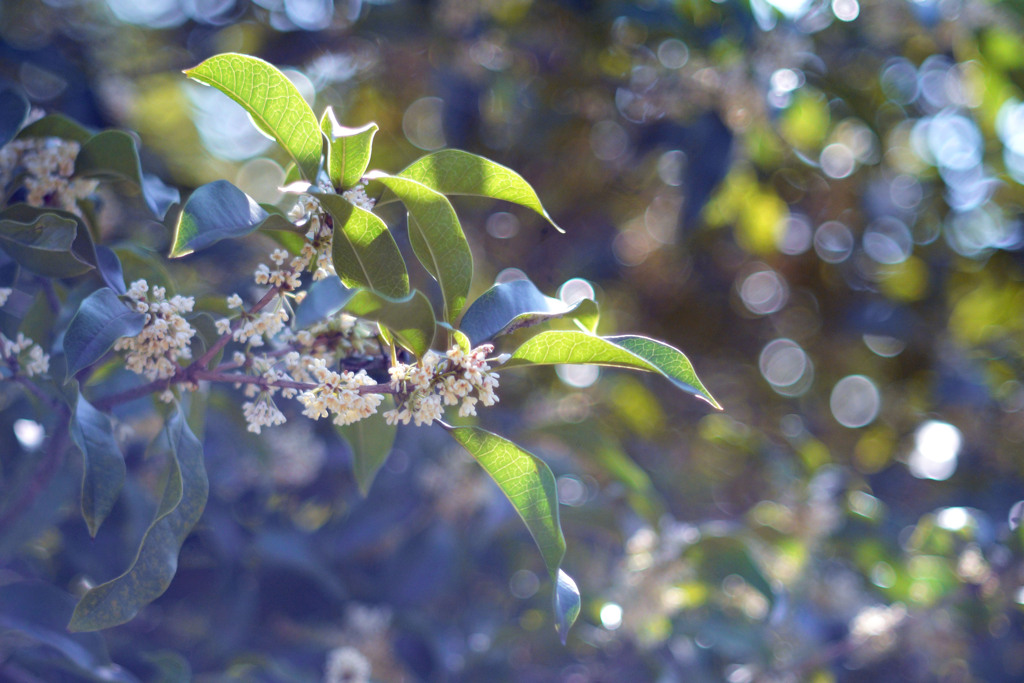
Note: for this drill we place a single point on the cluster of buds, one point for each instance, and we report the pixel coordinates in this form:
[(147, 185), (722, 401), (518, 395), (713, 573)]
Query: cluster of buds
[(439, 380), (26, 353), (48, 164), (166, 336)]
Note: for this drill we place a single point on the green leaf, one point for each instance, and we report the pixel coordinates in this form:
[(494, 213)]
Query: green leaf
[(103, 463), (364, 252), (509, 306), (453, 171), (371, 440), (101, 320), (528, 483), (437, 239), (56, 126), (410, 319), (43, 240), (348, 150), (14, 109), (218, 211), (184, 498), (274, 103), (636, 353), (113, 154)]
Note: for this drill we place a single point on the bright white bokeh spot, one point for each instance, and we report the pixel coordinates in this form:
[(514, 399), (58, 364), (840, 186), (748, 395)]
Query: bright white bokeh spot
[(888, 241), (855, 401), (764, 292), (1019, 596), (786, 367), (833, 242), (671, 165), (502, 225), (575, 290), (29, 434), (792, 9), (786, 80), (837, 160), (1016, 514), (571, 490), (510, 274), (884, 345), (611, 616), (579, 376), (673, 53), (796, 236), (845, 10), (936, 449), (953, 519)]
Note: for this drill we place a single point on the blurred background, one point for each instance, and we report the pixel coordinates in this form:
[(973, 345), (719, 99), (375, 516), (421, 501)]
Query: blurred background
[(819, 202)]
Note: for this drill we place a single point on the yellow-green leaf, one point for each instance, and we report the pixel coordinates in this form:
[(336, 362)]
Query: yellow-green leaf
[(348, 150), (273, 102)]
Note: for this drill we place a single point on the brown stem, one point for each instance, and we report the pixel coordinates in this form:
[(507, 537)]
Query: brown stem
[(205, 359)]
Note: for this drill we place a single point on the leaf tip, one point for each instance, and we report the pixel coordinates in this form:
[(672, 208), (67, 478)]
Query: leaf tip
[(566, 604)]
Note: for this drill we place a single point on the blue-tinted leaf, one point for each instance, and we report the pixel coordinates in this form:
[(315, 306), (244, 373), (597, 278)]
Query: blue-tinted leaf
[(184, 498), (110, 269), (371, 440), (101, 320), (348, 150), (218, 211), (103, 464), (113, 154), (364, 252), (274, 103), (453, 171), (566, 604), (38, 611), (43, 240), (509, 306), (323, 299), (13, 110)]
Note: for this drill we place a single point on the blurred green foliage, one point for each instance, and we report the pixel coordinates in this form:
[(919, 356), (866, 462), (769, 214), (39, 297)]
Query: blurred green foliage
[(820, 202)]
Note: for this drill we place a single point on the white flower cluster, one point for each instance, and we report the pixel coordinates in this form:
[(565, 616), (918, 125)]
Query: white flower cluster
[(347, 665), (338, 394), (358, 197), (449, 380), (48, 164), (318, 248), (166, 336), (32, 363), (5, 293)]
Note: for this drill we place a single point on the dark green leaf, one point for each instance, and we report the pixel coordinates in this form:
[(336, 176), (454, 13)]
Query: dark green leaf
[(452, 171), (437, 239), (42, 240), (13, 110), (218, 211), (509, 306), (184, 498), (101, 320), (348, 150), (56, 126), (409, 319), (530, 486), (113, 154), (103, 464), (274, 103), (323, 299), (371, 440), (364, 252), (636, 353)]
